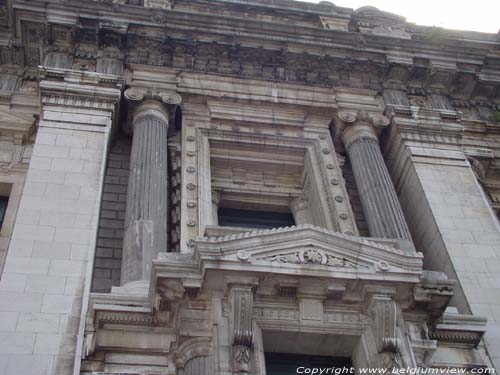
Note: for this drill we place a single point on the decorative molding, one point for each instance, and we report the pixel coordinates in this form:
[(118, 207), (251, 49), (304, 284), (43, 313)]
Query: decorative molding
[(76, 101), (159, 4), (80, 89), (312, 256), (192, 348), (138, 95), (467, 330), (357, 124), (129, 319), (353, 116)]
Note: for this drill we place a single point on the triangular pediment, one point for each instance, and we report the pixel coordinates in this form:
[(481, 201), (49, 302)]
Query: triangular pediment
[(312, 248)]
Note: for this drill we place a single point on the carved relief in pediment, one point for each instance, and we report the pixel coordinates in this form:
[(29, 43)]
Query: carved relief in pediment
[(312, 256)]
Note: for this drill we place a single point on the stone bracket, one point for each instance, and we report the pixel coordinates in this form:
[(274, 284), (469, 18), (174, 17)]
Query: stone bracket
[(383, 310), (241, 295)]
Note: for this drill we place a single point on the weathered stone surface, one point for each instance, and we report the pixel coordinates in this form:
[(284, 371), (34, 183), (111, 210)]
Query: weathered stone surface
[(289, 108), (146, 216), (378, 197)]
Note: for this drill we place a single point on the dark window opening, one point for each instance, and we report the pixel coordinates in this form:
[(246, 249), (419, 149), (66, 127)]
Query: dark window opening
[(231, 217), (3, 208), (287, 364)]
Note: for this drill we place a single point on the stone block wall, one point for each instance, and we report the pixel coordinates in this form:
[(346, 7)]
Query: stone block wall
[(43, 282), (453, 226), (111, 222)]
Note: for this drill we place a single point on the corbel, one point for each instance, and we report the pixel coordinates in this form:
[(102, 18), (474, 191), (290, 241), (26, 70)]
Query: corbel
[(383, 311), (241, 295), (392, 347), (169, 293)]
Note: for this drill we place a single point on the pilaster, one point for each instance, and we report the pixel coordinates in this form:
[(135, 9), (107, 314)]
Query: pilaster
[(448, 212), (48, 269)]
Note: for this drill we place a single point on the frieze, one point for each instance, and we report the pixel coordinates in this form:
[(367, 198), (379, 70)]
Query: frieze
[(77, 101), (275, 313), (292, 314), (313, 256), (124, 319), (344, 317), (254, 63)]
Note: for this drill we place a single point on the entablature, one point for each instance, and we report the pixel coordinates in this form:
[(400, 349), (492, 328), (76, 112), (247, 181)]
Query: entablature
[(364, 48)]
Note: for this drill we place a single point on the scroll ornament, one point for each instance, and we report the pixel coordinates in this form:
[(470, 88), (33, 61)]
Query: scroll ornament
[(167, 97), (242, 298), (383, 310)]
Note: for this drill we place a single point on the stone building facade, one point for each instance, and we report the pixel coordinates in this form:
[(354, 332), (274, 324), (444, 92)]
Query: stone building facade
[(215, 187)]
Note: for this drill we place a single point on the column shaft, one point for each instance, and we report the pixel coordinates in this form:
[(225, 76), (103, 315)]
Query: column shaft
[(146, 214), (378, 197)]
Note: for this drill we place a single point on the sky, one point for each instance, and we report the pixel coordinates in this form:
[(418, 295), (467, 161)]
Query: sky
[(475, 15)]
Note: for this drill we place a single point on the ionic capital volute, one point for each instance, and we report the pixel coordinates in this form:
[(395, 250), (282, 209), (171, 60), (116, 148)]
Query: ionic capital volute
[(357, 124), (134, 95), (158, 103)]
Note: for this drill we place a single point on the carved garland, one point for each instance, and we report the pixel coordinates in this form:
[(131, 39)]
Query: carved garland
[(313, 256)]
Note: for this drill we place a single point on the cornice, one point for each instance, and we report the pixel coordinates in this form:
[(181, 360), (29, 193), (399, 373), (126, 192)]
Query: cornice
[(460, 329), (80, 89), (433, 126), (361, 46), (287, 250)]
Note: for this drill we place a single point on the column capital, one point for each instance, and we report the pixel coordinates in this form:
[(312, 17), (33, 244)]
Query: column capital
[(136, 95), (357, 124), (150, 107), (143, 102)]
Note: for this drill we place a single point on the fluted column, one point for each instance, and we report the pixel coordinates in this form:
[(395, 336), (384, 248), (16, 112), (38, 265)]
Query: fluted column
[(146, 214), (377, 193)]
